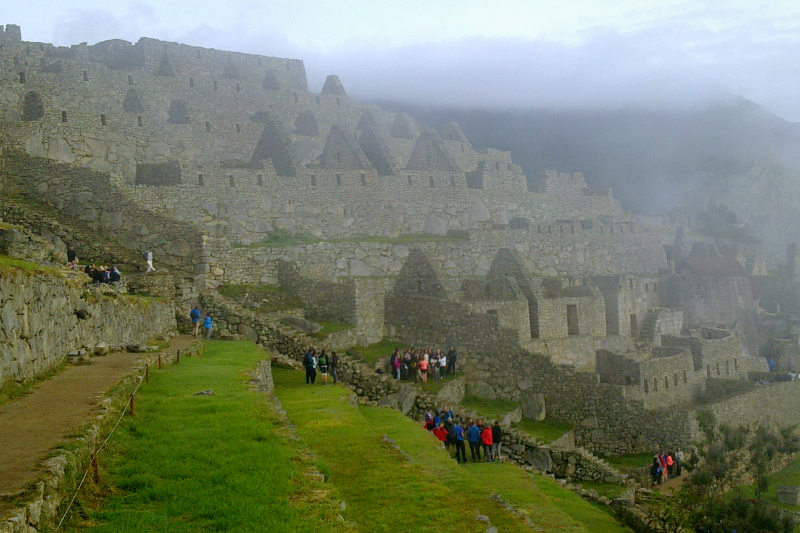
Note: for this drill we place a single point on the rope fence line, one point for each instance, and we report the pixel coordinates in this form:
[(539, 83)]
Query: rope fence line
[(93, 461)]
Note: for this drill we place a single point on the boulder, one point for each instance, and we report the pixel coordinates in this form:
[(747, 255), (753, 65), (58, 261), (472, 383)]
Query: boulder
[(533, 406), (101, 349), (540, 459)]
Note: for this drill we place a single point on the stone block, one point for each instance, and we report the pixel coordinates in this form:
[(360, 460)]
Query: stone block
[(789, 494), (540, 459), (533, 406), (512, 417)]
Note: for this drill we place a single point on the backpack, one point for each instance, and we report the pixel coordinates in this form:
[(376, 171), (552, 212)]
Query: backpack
[(323, 360), (144, 255)]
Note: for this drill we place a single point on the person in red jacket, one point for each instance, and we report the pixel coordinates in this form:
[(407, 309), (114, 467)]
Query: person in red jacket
[(440, 432), (486, 439)]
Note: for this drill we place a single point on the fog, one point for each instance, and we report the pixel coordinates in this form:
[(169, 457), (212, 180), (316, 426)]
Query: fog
[(468, 54)]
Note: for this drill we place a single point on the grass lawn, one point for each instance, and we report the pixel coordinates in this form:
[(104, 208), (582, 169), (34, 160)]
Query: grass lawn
[(626, 463), (493, 409), (11, 264), (788, 476), (264, 298), (207, 463), (331, 327), (394, 476), (609, 490), (543, 430), (375, 351)]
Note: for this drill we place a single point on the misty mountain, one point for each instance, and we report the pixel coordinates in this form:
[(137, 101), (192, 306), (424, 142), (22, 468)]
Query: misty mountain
[(654, 160)]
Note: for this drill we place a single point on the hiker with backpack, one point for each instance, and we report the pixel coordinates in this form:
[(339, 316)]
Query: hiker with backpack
[(322, 362)]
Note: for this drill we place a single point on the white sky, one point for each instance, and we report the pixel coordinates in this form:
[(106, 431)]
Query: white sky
[(573, 53)]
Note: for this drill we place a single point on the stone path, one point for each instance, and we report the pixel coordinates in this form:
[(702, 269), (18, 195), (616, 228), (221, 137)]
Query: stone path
[(32, 425)]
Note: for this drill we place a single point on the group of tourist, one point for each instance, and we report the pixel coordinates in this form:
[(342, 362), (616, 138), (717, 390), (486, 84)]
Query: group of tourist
[(208, 324), (324, 363), (453, 435), (418, 365), (102, 274), (666, 465)]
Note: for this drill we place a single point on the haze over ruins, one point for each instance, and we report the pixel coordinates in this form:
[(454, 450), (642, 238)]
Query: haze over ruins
[(619, 324)]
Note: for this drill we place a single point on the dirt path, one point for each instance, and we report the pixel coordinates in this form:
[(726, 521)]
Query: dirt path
[(32, 425)]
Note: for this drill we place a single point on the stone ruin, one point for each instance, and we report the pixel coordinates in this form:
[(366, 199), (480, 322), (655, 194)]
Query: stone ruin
[(404, 231)]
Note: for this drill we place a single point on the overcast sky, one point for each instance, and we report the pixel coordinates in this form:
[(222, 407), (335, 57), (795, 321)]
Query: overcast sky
[(519, 53)]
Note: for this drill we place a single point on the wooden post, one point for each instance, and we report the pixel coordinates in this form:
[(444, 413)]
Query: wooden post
[(131, 405), (95, 469), (147, 373), (159, 361)]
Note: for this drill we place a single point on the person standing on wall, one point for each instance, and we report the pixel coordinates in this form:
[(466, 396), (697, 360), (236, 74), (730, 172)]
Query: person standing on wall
[(452, 356), (148, 259), (208, 324), (194, 314)]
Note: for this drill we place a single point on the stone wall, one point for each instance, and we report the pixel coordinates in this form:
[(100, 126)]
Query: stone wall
[(91, 199), (45, 316), (775, 405)]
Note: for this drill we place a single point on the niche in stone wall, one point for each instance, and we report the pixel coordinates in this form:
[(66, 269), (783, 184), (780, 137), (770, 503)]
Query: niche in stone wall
[(32, 107), (178, 112), (270, 82), (306, 124), (165, 67), (158, 174), (132, 102)]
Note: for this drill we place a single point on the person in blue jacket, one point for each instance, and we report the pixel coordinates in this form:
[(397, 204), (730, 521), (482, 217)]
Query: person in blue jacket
[(208, 324), (458, 438), (474, 438), (194, 314)]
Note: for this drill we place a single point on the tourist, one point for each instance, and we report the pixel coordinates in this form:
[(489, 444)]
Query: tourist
[(310, 362), (678, 462), (663, 462), (423, 369), (442, 363), (497, 436), (486, 439), (474, 439), (72, 257), (334, 367), (396, 363), (441, 433), (148, 259), (458, 440), (449, 426), (670, 465), (322, 362), (435, 365), (194, 314), (429, 420), (452, 356), (114, 276), (208, 324), (655, 471)]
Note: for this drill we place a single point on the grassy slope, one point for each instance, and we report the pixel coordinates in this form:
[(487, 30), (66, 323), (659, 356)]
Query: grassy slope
[(395, 477), (209, 463)]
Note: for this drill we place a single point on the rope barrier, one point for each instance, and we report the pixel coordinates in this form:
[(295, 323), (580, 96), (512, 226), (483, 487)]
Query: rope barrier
[(98, 450)]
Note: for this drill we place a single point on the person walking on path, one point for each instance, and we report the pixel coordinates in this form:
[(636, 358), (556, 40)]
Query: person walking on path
[(335, 367), (148, 259), (458, 439), (678, 462), (497, 437), (194, 314), (474, 439), (208, 324)]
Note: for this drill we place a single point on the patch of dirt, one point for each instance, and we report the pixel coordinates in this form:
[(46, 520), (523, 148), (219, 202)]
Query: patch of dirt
[(34, 424)]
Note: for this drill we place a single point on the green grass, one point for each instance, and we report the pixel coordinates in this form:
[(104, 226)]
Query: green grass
[(394, 475), (790, 475), (208, 463), (626, 463), (493, 409), (331, 327), (375, 351), (609, 490), (11, 390), (263, 298), (12, 264), (432, 386), (543, 430)]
